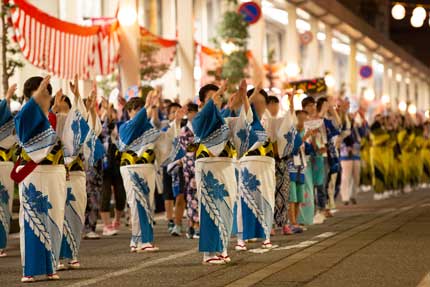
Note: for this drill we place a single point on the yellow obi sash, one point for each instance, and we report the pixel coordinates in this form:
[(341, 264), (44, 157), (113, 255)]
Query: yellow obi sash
[(266, 149), (6, 154), (228, 151), (130, 157), (76, 165), (55, 157)]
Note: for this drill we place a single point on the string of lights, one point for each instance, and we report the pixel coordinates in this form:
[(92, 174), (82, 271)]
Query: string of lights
[(419, 13)]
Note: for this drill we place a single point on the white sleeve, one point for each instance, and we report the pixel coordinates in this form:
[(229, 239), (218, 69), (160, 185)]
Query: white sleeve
[(164, 144)]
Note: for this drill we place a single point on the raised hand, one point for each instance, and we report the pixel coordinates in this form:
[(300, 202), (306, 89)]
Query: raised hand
[(10, 92), (91, 100), (217, 96), (41, 95), (257, 90), (56, 108), (74, 87)]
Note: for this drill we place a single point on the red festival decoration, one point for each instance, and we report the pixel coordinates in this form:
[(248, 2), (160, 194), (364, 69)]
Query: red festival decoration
[(63, 48)]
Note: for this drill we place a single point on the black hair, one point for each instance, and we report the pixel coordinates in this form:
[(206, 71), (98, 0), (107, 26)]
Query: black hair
[(320, 103), (262, 92), (308, 101), (134, 104), (191, 107), (204, 91), (272, 99), (167, 101), (67, 100), (173, 105), (32, 84)]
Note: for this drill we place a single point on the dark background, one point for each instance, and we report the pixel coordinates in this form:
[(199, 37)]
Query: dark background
[(377, 13)]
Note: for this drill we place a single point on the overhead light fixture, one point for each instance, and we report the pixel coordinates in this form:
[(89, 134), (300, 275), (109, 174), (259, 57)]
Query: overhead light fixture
[(369, 94), (385, 99), (292, 70), (412, 109), (416, 22), (419, 12), (398, 11), (329, 80), (403, 106)]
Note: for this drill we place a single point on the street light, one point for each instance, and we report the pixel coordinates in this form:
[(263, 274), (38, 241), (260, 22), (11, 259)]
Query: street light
[(398, 12)]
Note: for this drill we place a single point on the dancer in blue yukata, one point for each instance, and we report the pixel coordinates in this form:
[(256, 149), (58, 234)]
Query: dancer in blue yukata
[(41, 175), (85, 127), (143, 148)]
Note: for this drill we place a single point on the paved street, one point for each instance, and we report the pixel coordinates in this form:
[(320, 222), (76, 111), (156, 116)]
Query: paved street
[(383, 243)]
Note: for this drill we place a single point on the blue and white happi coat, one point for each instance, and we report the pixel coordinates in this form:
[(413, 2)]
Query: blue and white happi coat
[(42, 194), (215, 179), (7, 140), (138, 135)]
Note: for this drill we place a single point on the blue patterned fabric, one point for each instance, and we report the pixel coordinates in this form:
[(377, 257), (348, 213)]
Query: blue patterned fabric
[(137, 133), (6, 121), (142, 198), (216, 216), (4, 215), (257, 213), (35, 133), (42, 236), (209, 126)]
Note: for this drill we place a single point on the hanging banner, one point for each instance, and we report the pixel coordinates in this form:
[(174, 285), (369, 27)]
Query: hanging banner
[(156, 55), (309, 87), (63, 48)]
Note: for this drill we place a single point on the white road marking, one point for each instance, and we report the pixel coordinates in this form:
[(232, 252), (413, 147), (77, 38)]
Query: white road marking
[(132, 269), (425, 282), (262, 250), (325, 235), (300, 245)]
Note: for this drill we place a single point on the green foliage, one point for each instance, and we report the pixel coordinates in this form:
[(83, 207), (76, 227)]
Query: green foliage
[(10, 50), (233, 29), (234, 65)]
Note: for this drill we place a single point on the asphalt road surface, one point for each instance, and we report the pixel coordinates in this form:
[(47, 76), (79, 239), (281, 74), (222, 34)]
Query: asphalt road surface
[(375, 243)]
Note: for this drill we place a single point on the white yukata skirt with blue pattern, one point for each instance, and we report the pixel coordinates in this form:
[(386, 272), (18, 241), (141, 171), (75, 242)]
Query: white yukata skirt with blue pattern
[(6, 198), (257, 185), (217, 189), (42, 197), (74, 217), (139, 184)]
